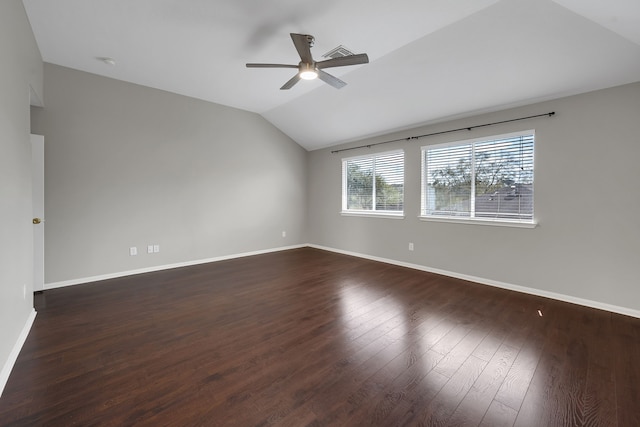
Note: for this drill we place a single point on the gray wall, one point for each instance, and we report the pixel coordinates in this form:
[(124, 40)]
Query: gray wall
[(127, 165), (21, 68), (587, 244)]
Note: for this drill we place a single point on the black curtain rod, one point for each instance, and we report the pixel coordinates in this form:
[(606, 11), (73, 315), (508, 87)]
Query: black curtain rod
[(445, 131)]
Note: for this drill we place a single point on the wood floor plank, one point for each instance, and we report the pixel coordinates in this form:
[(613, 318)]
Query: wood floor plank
[(481, 395), (599, 396), (530, 338), (626, 348), (499, 415), (400, 393), (452, 393), (306, 337), (558, 392), (409, 411)]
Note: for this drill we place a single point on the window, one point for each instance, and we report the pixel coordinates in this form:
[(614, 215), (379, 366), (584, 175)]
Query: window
[(489, 179), (374, 184)]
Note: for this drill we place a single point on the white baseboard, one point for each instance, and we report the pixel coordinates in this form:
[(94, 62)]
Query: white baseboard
[(15, 351), (532, 291), (90, 279)]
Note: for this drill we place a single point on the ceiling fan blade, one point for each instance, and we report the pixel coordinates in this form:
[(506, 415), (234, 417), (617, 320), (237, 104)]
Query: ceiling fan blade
[(301, 42), (271, 66), (288, 85), (331, 80), (360, 58)]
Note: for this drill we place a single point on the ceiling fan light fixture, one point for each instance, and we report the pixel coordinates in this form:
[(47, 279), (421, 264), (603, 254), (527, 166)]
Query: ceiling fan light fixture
[(308, 72), (308, 75)]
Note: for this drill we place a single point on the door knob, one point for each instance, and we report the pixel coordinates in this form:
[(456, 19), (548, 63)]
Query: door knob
[(37, 220)]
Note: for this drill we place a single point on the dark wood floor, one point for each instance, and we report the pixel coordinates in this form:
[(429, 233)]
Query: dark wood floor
[(311, 338)]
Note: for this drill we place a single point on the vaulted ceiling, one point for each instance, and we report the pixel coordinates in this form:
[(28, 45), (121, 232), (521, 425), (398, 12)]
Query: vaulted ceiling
[(430, 60)]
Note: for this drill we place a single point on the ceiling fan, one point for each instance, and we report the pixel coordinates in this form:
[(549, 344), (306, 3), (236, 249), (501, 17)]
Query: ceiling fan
[(308, 69)]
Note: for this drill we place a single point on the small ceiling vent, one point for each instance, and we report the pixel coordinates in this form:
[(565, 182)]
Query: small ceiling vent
[(338, 52)]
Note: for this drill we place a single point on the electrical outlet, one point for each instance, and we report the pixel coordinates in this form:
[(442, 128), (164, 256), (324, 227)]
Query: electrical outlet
[(284, 234), (156, 248), (149, 249), (133, 251), (410, 246)]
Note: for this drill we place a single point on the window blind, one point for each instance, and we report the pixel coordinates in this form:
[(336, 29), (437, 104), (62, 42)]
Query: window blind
[(490, 178), (360, 184), (374, 183)]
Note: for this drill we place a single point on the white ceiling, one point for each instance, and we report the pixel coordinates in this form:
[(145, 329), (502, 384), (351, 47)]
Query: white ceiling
[(429, 59)]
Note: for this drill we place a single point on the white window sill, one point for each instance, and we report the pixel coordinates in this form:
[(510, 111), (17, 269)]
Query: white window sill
[(399, 215), (481, 221)]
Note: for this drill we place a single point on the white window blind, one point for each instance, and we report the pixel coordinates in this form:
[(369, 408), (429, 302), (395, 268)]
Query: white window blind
[(373, 183), (491, 179)]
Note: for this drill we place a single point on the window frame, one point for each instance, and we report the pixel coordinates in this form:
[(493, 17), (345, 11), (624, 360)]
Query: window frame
[(472, 219), (379, 213)]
